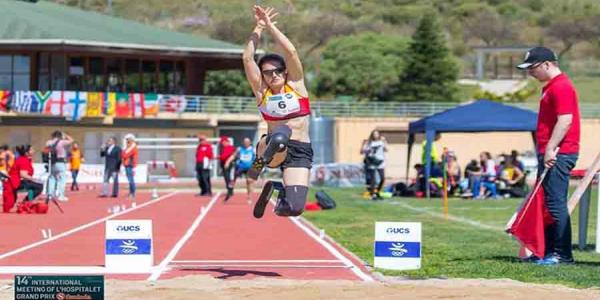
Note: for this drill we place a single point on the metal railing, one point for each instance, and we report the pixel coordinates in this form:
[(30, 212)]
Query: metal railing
[(247, 105), (208, 104), (181, 104)]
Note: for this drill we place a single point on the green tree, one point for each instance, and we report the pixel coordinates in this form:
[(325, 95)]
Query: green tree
[(365, 66), (227, 83), (571, 22), (431, 72)]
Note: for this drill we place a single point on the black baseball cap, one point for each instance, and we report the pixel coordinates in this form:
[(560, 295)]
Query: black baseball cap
[(537, 55)]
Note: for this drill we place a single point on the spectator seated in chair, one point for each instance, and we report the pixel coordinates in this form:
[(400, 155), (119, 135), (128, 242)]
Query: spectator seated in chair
[(472, 178), (512, 180), (435, 181), (487, 187)]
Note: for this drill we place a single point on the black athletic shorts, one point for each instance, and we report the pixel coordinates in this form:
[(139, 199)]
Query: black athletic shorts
[(299, 155), (239, 172)]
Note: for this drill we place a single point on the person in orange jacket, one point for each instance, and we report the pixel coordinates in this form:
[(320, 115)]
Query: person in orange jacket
[(130, 161), (75, 160)]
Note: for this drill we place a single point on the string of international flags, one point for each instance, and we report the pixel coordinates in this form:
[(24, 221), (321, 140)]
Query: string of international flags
[(74, 105)]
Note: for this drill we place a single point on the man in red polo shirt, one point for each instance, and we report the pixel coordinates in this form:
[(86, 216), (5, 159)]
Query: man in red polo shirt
[(226, 159), (204, 157), (557, 127)]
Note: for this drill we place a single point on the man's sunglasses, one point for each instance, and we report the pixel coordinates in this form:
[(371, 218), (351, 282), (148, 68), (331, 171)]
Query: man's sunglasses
[(269, 73), (535, 65)]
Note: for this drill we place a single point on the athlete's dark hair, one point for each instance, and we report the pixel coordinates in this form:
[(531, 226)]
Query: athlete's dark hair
[(272, 58)]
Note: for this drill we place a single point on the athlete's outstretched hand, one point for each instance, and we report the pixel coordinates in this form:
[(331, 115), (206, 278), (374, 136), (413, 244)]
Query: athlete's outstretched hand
[(264, 16)]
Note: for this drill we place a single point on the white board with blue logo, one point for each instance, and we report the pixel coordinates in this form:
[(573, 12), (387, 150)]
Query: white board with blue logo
[(398, 245), (128, 245)]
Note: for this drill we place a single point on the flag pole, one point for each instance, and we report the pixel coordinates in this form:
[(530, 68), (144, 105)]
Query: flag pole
[(445, 182), (537, 187)]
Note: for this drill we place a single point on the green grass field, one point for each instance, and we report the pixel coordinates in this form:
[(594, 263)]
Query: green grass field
[(588, 88), (470, 244)]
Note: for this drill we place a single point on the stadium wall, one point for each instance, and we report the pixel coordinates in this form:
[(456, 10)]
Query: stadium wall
[(348, 136), (350, 132)]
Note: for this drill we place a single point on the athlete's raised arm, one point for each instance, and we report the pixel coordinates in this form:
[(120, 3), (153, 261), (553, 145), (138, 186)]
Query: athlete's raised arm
[(265, 15)]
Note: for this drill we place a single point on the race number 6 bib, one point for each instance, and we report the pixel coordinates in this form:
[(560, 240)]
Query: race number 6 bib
[(282, 105)]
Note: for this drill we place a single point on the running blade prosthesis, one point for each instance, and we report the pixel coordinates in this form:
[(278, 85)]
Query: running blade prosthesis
[(257, 167), (263, 199)]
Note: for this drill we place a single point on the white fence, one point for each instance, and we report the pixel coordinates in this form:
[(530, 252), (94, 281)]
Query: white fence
[(94, 173)]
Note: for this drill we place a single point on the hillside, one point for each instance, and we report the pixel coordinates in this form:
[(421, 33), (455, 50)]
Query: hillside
[(568, 26)]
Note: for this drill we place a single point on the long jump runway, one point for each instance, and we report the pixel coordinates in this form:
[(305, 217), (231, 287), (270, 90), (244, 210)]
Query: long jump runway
[(192, 235)]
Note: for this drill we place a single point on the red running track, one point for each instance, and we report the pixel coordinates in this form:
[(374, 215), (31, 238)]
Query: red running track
[(192, 235)]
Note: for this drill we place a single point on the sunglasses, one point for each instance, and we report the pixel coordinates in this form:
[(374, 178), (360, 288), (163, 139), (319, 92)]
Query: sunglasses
[(269, 73), (535, 65)]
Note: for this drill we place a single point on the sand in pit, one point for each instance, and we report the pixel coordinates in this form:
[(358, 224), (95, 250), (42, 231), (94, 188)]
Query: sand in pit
[(206, 287)]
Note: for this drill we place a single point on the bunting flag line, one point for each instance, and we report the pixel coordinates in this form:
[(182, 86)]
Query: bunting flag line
[(109, 105), (136, 100), (42, 98), (55, 104), (174, 104), (95, 103), (123, 107), (75, 106), (151, 105), (24, 102)]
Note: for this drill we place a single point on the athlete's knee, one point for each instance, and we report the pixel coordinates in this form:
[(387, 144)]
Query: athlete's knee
[(280, 136), (279, 141), (293, 201)]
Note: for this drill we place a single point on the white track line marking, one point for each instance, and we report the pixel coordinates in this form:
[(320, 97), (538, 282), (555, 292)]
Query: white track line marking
[(6, 287), (69, 270), (355, 269), (453, 218), (362, 275), (482, 208), (82, 227), (257, 261), (202, 267), (163, 264)]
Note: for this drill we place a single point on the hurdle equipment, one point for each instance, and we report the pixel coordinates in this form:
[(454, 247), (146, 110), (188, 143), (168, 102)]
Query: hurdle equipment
[(167, 170), (169, 167)]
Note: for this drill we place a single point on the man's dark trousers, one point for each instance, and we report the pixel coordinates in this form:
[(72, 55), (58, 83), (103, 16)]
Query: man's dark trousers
[(556, 188)]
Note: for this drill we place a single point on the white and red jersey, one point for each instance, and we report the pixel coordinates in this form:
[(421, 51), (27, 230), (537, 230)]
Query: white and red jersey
[(284, 106)]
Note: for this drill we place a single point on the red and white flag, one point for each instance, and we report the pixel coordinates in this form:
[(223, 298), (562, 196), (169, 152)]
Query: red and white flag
[(531, 221)]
